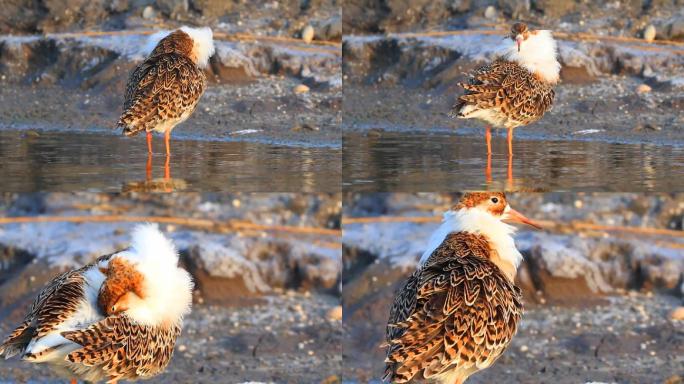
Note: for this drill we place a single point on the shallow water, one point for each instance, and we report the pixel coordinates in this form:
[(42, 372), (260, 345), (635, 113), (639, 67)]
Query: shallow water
[(75, 161), (397, 161)]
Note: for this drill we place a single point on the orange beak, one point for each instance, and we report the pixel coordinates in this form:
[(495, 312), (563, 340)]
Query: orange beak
[(517, 217)]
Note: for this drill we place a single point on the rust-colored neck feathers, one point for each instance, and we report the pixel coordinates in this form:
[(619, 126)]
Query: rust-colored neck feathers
[(121, 279)]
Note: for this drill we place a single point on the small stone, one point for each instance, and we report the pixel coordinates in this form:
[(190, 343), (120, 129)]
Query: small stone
[(182, 348), (643, 88), (308, 34), (301, 88), (335, 313), (490, 12), (677, 314), (650, 33), (148, 12), (524, 348)]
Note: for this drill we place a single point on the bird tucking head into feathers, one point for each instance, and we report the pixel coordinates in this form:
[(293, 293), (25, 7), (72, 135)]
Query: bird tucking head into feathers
[(145, 282), (195, 43)]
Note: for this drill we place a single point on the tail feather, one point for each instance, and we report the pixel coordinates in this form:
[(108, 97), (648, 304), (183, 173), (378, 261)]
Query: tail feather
[(134, 122), (16, 343)]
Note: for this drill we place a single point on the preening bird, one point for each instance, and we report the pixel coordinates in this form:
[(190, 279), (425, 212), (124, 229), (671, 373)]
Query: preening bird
[(117, 318), (459, 310), (516, 88), (164, 90)]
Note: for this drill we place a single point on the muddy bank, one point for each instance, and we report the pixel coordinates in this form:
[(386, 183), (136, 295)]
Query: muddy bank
[(272, 18), (625, 18), (598, 303), (77, 84), (609, 91)]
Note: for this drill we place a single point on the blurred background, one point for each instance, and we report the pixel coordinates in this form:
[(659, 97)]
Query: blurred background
[(266, 267), (274, 94), (617, 109), (603, 284)]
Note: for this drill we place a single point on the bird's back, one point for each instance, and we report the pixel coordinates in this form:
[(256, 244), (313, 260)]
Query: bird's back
[(504, 94), (454, 316), (161, 92)]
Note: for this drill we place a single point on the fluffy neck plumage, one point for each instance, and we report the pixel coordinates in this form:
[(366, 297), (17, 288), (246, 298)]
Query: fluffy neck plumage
[(479, 222), (537, 54), (167, 288), (203, 44)]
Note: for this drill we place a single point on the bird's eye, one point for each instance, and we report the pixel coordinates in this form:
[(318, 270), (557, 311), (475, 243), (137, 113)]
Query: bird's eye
[(113, 308), (495, 200)]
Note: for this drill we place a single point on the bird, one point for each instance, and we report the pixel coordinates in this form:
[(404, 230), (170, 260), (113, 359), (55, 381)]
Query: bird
[(457, 313), (516, 88), (163, 91), (116, 318)]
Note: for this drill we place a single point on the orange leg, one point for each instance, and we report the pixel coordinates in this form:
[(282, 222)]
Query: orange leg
[(73, 381), (510, 158), (149, 142), (167, 168), (167, 137), (148, 168), (488, 139)]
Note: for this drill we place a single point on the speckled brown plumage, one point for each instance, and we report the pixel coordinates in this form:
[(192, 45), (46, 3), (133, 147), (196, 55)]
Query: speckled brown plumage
[(163, 90), (457, 313), (514, 95), (123, 349), (54, 304)]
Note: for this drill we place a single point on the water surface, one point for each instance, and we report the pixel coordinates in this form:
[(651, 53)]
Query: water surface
[(400, 161), (75, 161)]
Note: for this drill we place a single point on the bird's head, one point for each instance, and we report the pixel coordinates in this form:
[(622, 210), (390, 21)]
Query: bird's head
[(123, 288), (494, 204), (533, 49), (519, 33), (194, 43)]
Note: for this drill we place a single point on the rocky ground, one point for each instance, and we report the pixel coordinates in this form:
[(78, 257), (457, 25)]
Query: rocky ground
[(599, 304), (609, 91), (267, 303)]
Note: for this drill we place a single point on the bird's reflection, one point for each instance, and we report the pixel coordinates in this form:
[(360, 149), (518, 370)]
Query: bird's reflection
[(165, 184)]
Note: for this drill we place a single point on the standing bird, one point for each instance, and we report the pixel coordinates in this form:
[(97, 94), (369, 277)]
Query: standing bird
[(459, 310), (114, 319), (516, 88), (163, 91)]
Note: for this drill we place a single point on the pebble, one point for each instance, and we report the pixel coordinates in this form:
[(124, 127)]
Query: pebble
[(335, 313), (148, 12), (643, 88), (524, 348), (490, 12), (308, 34), (300, 88), (650, 33), (677, 314), (182, 348)]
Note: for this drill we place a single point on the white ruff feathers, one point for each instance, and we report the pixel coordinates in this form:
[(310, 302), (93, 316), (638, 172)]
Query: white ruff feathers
[(203, 43), (479, 222), (537, 54), (167, 288)]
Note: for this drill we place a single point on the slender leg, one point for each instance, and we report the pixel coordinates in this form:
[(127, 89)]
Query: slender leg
[(149, 142), (167, 168), (148, 168), (488, 139), (167, 137), (510, 158), (73, 381)]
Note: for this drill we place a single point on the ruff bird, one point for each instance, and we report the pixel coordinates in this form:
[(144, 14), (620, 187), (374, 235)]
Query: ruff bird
[(116, 318), (164, 90), (459, 310)]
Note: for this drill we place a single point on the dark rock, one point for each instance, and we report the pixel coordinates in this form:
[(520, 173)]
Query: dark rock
[(173, 8), (554, 8), (211, 8)]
